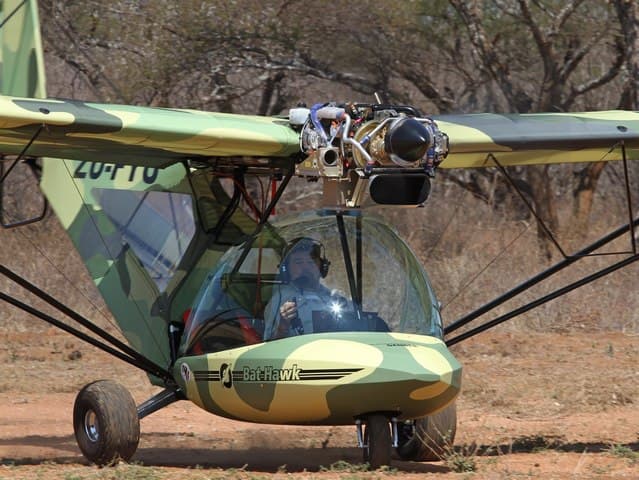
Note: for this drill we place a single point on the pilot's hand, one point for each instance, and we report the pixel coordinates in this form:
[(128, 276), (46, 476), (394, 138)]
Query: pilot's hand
[(288, 312)]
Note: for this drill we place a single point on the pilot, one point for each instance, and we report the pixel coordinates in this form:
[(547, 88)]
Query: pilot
[(301, 304)]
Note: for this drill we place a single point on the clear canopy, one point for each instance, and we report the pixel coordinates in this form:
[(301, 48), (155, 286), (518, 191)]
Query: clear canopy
[(380, 284)]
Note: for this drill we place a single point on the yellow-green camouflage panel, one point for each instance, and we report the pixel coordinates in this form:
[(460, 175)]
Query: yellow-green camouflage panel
[(127, 220), (145, 136), (73, 189), (541, 138), (21, 57), (326, 378)]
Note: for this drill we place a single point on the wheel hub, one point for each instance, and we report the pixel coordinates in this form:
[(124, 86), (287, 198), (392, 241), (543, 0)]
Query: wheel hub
[(91, 426)]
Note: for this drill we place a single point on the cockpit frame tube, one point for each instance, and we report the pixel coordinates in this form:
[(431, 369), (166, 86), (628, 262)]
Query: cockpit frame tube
[(348, 263), (265, 214)]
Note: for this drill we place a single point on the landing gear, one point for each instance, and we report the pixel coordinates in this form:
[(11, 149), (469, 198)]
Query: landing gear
[(106, 424), (377, 441), (428, 438)]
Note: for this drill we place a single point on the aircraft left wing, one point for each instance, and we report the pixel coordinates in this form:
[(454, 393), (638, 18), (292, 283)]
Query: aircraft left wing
[(139, 136)]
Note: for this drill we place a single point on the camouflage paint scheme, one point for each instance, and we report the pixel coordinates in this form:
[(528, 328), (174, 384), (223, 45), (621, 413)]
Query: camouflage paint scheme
[(21, 60), (159, 140), (539, 138), (140, 308), (130, 135), (156, 137), (324, 378), (411, 374), (133, 299)]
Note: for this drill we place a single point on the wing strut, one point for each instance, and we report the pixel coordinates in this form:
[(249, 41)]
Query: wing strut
[(541, 277), (125, 352), (542, 300), (567, 261), (22, 153), (633, 240), (12, 13), (545, 227), (541, 223)]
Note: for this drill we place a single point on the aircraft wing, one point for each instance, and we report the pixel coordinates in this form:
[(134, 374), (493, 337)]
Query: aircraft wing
[(158, 137), (529, 139), (130, 135)]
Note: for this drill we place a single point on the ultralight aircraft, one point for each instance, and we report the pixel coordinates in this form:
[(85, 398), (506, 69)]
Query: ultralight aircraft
[(187, 274)]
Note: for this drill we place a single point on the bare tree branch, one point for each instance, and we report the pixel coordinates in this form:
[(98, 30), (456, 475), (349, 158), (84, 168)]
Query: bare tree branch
[(628, 15), (562, 17), (572, 61), (471, 16), (604, 78)]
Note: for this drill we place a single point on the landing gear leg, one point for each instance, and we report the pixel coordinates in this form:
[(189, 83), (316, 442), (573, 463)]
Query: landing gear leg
[(377, 441)]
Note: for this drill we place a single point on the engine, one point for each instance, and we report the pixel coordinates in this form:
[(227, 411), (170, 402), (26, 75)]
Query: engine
[(371, 138)]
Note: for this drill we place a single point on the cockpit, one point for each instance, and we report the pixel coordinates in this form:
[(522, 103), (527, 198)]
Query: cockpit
[(368, 280)]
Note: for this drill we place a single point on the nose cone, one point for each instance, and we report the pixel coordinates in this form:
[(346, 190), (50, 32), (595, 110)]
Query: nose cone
[(416, 376), (408, 139)]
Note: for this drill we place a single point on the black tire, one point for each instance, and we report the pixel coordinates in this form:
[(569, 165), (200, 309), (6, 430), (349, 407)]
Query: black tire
[(106, 424), (377, 438), (431, 438)]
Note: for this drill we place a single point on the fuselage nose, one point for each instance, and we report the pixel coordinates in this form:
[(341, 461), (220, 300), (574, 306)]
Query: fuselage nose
[(328, 378)]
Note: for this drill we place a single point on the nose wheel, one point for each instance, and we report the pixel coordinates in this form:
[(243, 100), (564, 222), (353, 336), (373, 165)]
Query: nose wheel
[(377, 441)]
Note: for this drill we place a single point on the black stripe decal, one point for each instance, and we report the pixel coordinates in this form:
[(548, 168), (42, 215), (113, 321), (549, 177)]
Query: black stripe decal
[(304, 375)]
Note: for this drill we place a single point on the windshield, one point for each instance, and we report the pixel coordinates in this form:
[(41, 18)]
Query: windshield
[(326, 271)]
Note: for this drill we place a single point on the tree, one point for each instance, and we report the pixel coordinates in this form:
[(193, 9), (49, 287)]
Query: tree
[(442, 56), (504, 35)]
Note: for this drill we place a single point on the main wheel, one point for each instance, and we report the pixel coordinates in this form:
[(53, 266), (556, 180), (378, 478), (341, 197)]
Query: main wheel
[(430, 437), (377, 438), (106, 424)]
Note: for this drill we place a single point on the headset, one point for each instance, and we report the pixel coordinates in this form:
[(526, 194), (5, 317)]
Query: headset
[(304, 244)]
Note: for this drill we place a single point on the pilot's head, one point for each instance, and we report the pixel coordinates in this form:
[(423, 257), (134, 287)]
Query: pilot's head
[(304, 262)]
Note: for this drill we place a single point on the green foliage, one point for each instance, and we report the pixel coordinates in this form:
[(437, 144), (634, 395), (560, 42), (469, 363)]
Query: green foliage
[(623, 451), (344, 466), (460, 459)]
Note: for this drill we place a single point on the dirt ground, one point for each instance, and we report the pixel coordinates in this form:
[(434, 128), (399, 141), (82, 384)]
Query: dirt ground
[(556, 405)]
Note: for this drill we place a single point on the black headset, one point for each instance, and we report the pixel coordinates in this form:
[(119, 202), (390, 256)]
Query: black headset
[(304, 244)]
